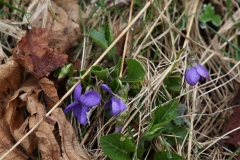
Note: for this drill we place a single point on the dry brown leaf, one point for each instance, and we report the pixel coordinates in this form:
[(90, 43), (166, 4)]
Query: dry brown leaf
[(71, 8), (50, 92), (65, 31), (234, 120), (47, 143), (23, 111), (70, 146), (36, 56), (61, 134), (11, 75), (54, 137), (232, 123), (7, 141)]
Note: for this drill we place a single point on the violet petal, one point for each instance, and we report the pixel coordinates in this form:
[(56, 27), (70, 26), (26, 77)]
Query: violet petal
[(71, 106), (123, 106), (118, 129), (90, 98), (192, 76), (77, 92), (108, 104), (202, 71), (116, 107), (81, 114), (106, 88)]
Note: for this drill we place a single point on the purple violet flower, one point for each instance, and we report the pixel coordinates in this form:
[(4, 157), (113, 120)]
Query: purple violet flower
[(115, 105), (194, 73), (118, 129), (83, 103)]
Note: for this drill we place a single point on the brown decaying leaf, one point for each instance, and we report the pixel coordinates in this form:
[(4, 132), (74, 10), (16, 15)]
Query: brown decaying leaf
[(49, 120), (23, 111), (47, 143), (71, 8), (50, 92), (36, 56), (232, 123), (234, 120), (7, 141), (11, 75), (63, 23), (54, 137), (63, 136)]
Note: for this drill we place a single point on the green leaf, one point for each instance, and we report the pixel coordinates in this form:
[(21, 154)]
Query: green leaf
[(164, 114), (116, 71), (117, 146), (71, 81), (114, 85), (209, 15), (205, 18), (104, 37), (87, 77), (155, 131), (98, 37), (208, 9), (110, 38), (216, 20), (173, 83), (161, 116), (64, 71), (136, 73), (167, 156), (179, 132), (181, 109), (103, 74)]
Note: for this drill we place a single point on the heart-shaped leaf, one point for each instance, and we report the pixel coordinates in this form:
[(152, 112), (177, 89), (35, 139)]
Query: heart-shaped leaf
[(117, 146)]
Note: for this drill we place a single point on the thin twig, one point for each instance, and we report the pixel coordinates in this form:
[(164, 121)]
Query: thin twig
[(126, 41)]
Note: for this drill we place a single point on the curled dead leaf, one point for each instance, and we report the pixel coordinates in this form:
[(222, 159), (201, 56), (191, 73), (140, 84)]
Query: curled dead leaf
[(62, 21), (71, 8), (35, 54), (59, 140), (48, 145), (49, 120), (232, 123), (23, 111), (7, 141), (50, 92), (11, 75), (55, 137), (233, 120)]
